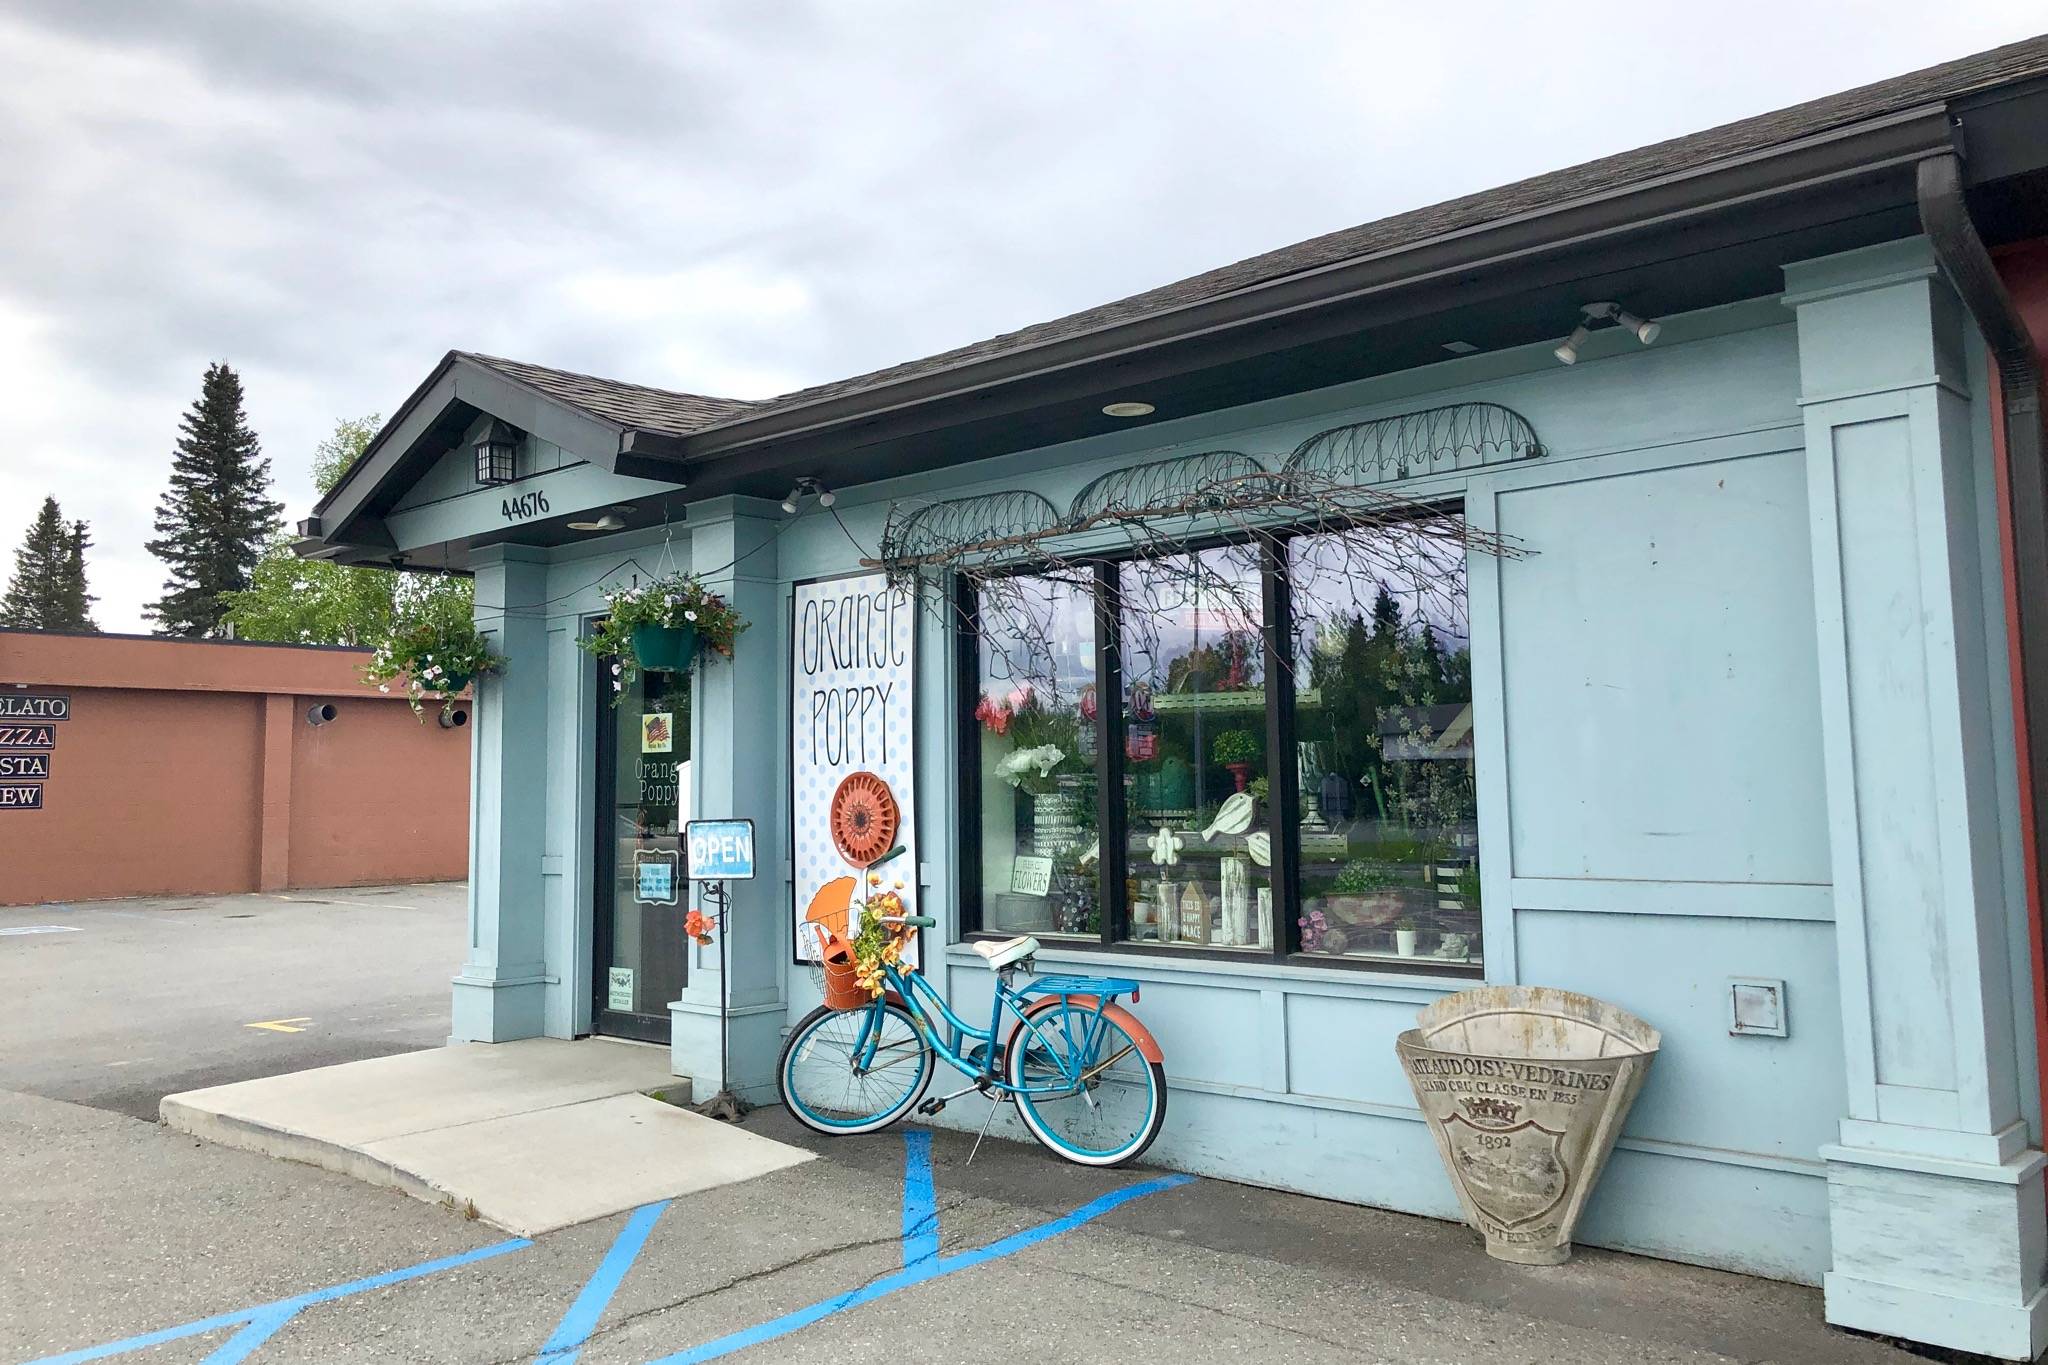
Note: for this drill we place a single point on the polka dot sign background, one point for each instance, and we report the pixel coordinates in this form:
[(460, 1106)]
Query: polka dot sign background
[(854, 675)]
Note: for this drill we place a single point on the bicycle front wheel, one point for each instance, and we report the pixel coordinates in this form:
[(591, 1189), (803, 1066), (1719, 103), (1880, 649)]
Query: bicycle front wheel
[(1084, 1087), (826, 1089)]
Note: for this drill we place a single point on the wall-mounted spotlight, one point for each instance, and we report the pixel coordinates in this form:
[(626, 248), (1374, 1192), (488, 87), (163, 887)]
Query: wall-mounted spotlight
[(1645, 329), (808, 487), (1568, 352), (320, 713)]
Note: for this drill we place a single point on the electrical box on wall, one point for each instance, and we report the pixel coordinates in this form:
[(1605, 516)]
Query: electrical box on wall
[(1756, 1006)]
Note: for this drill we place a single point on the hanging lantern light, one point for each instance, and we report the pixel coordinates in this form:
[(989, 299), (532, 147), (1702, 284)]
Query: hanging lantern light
[(494, 452)]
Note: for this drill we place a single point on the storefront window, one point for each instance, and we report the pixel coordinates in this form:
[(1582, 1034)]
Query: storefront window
[(1324, 810), (1194, 724), (1035, 716), (1388, 819)]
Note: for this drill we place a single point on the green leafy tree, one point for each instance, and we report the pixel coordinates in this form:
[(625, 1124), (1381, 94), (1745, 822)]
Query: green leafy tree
[(313, 601), (213, 520), (48, 590)]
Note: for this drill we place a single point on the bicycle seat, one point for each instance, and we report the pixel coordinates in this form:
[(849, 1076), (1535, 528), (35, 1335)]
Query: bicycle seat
[(1008, 951)]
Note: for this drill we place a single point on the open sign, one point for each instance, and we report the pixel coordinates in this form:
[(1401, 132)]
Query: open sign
[(721, 850)]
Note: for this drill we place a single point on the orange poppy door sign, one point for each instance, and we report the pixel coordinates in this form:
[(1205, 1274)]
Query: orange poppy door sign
[(852, 750)]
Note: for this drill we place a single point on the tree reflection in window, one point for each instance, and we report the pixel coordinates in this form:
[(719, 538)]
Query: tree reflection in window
[(1388, 824), (1035, 717)]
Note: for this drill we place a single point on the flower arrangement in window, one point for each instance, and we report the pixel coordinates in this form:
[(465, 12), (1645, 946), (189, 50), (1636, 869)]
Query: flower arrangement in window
[(658, 626), (1045, 737), (433, 657)]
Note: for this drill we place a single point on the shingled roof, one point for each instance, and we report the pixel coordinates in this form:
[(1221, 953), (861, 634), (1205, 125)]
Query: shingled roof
[(673, 413), (1934, 84), (630, 405)]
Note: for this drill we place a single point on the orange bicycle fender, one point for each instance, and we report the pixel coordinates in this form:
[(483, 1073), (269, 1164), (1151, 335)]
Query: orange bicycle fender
[(1148, 1046)]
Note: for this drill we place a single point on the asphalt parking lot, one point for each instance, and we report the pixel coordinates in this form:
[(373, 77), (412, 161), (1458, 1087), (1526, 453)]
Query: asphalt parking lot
[(120, 1239)]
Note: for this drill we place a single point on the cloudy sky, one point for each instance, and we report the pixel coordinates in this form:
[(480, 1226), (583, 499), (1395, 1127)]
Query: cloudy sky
[(741, 198)]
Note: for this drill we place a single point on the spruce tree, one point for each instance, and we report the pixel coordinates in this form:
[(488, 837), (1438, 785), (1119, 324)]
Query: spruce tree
[(78, 598), (47, 591), (213, 520)]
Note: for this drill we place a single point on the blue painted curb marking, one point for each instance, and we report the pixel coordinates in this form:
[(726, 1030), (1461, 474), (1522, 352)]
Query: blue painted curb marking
[(921, 1261), (259, 1323), (920, 1203), (581, 1320)]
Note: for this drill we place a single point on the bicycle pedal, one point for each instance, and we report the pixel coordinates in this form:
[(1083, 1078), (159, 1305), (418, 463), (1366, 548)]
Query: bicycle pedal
[(931, 1107)]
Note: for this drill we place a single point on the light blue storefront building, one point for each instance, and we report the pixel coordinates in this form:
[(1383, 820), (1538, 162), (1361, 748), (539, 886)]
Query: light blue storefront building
[(1737, 706)]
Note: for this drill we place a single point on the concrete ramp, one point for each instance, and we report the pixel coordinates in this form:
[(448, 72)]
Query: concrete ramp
[(533, 1135)]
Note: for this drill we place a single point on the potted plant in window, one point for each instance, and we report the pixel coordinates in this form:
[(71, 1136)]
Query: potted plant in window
[(1236, 750), (1404, 936), (1365, 896), (432, 657), (657, 627)]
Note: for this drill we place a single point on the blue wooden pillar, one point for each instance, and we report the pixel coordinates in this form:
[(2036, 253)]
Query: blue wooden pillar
[(738, 735), (499, 992), (1935, 1198)]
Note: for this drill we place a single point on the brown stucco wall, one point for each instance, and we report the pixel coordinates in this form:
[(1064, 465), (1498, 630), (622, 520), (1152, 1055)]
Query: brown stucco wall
[(190, 767)]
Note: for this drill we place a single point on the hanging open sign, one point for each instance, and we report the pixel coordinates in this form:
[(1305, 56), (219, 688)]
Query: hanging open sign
[(721, 850)]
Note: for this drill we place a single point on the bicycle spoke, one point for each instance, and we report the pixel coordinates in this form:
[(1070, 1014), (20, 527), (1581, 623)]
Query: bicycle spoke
[(822, 1076), (1089, 1091)]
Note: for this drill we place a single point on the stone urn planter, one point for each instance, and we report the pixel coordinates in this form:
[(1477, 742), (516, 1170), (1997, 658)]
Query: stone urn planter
[(1525, 1089)]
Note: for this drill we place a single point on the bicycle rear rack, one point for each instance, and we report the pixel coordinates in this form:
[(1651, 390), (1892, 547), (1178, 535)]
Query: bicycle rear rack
[(1104, 988)]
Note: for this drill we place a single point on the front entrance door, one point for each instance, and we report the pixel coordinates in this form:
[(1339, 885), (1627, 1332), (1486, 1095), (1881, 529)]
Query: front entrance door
[(643, 800)]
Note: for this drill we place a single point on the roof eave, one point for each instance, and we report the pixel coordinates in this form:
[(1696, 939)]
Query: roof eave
[(1804, 164)]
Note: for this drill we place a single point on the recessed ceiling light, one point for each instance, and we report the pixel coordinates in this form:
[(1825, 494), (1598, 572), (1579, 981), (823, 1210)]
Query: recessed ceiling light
[(610, 521), (1460, 347), (1128, 409)]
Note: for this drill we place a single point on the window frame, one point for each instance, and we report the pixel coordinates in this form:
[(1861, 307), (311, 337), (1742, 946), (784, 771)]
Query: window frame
[(1284, 796)]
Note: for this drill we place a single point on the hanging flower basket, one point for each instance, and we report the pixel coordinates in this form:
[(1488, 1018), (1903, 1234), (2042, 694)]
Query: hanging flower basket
[(662, 626), (433, 659), (664, 649)]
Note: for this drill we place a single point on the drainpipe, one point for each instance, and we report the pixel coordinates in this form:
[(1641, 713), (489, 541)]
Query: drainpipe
[(2023, 524)]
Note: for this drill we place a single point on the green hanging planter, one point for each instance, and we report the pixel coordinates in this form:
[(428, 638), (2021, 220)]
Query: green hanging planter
[(451, 683), (664, 649)]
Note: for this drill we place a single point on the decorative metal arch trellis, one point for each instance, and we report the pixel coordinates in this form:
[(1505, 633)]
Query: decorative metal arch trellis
[(1159, 482), (929, 532), (1413, 443)]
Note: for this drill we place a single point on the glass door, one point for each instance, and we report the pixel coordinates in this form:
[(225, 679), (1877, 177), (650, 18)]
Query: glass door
[(643, 800)]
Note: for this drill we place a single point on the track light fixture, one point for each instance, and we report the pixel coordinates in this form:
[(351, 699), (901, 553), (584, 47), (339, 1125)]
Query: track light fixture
[(808, 487), (1644, 329)]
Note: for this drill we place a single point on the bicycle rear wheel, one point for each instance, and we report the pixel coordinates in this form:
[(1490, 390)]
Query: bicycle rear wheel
[(1119, 1103), (826, 1092)]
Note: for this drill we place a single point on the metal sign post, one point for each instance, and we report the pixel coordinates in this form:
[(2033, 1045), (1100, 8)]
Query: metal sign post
[(721, 851)]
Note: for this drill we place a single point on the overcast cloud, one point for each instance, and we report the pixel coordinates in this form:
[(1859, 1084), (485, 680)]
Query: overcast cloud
[(742, 198)]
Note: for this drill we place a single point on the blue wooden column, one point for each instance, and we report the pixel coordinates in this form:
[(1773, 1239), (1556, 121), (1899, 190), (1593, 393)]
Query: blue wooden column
[(1935, 1197), (737, 747), (499, 993)]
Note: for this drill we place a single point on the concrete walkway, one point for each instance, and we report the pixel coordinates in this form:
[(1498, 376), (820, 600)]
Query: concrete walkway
[(531, 1136)]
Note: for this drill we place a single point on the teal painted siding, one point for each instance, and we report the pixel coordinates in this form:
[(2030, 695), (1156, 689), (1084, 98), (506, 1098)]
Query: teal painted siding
[(1653, 703)]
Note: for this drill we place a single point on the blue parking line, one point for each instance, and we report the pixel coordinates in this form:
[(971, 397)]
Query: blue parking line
[(917, 1185), (580, 1321), (260, 1322), (920, 1204)]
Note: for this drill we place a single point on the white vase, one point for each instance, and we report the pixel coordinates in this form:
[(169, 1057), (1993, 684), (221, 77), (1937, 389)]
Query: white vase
[(1236, 929), (1404, 942)]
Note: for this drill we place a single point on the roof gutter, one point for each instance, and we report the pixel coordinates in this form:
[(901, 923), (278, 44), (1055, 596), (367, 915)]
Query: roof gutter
[(1890, 142), (2023, 514)]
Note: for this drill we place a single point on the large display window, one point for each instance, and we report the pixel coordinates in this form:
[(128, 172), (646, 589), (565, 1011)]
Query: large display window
[(1239, 751)]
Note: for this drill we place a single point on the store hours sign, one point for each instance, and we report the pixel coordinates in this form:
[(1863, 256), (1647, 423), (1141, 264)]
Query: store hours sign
[(853, 668)]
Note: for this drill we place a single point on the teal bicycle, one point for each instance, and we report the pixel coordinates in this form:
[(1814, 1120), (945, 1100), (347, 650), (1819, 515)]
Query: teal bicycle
[(1086, 1077)]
